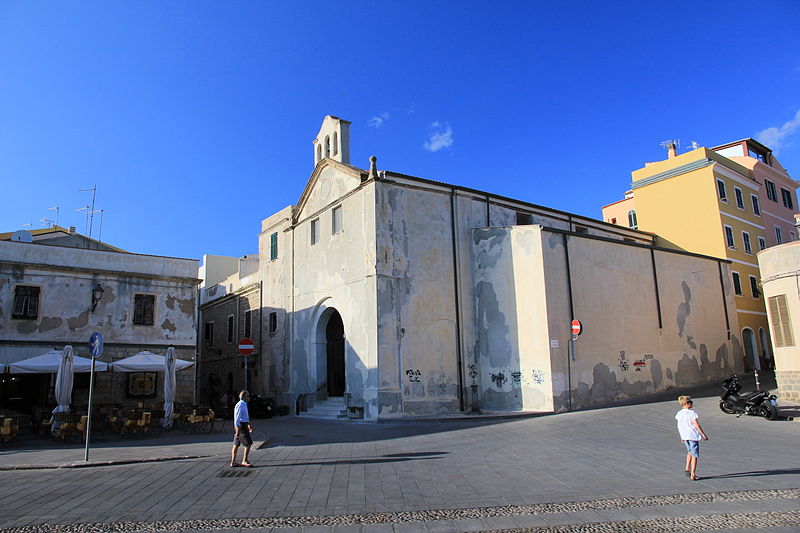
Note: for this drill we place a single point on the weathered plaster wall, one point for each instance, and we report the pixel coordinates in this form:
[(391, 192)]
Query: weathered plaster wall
[(511, 320), (622, 351), (416, 302), (335, 273), (276, 364), (66, 277)]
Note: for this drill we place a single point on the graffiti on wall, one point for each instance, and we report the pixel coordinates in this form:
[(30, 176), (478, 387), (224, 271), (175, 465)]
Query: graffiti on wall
[(413, 375), (473, 372), (537, 375), (622, 362), (499, 379)]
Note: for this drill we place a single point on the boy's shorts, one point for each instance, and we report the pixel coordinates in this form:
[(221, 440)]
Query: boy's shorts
[(693, 447)]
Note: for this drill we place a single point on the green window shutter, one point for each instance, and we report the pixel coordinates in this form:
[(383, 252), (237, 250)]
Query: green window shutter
[(273, 247)]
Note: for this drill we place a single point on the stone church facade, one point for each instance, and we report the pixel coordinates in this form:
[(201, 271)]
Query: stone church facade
[(411, 297)]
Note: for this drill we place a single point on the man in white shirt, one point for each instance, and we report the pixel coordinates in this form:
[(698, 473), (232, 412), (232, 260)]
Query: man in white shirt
[(241, 430), (691, 434)]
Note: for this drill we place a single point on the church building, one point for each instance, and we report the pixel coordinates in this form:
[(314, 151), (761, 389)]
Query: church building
[(397, 296)]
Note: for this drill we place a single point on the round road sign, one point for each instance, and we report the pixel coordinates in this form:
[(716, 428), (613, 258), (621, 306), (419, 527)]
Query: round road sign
[(576, 327), (246, 346)]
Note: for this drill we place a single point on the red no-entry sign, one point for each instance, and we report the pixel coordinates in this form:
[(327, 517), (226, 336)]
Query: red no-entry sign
[(576, 327), (246, 346)]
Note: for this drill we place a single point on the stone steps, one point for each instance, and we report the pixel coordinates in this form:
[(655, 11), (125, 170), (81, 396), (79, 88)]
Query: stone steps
[(330, 409)]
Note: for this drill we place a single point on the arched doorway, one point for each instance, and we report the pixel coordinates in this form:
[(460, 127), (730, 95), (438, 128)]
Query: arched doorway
[(750, 349), (334, 346), (765, 348)]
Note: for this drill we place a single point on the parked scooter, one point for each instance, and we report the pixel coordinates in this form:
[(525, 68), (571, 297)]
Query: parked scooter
[(757, 403)]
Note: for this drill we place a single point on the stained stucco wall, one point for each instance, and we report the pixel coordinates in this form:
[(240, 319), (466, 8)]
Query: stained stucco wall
[(335, 273), (416, 302), (66, 277), (622, 351), (523, 320), (512, 346)]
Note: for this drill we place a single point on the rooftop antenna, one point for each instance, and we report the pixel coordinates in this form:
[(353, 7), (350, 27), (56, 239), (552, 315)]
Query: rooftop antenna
[(57, 209), (100, 233), (47, 221), (695, 145), (87, 209), (671, 146), (91, 212)]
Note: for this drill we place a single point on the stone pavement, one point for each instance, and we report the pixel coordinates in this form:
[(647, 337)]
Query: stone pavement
[(613, 469)]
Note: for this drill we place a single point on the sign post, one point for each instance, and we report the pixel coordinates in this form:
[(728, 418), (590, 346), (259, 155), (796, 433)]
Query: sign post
[(577, 327), (246, 347), (96, 346)]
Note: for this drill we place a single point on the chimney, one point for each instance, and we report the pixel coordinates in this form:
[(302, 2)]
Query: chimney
[(672, 150), (72, 230)]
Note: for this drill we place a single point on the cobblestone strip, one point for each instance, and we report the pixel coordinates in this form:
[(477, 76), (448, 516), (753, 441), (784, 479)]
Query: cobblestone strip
[(672, 524), (414, 516)]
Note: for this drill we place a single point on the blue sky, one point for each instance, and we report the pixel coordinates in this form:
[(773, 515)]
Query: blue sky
[(195, 119)]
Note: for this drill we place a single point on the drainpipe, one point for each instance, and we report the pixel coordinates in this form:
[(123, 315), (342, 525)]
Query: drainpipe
[(459, 363), (261, 354), (197, 341), (571, 315)]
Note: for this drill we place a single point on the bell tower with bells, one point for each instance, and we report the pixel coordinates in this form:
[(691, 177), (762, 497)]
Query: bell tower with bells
[(333, 140)]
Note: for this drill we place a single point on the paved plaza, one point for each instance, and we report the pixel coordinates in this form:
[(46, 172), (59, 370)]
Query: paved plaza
[(613, 469)]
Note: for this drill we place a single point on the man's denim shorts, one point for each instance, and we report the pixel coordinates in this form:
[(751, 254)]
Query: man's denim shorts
[(693, 447)]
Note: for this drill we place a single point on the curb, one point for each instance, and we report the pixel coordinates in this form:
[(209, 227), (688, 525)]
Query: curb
[(101, 463), (116, 462)]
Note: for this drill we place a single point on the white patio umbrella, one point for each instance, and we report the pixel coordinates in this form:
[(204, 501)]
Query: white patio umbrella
[(146, 362), (63, 385), (169, 386), (50, 362)]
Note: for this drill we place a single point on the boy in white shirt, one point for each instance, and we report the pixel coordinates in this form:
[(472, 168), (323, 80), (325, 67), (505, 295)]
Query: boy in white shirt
[(691, 434)]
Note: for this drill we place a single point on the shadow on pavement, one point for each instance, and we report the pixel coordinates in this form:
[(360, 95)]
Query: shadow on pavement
[(756, 473), (388, 458)]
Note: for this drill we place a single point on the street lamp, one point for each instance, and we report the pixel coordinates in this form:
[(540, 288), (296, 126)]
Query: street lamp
[(97, 293)]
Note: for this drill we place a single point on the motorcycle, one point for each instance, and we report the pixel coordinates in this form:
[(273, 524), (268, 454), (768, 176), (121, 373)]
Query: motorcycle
[(757, 403)]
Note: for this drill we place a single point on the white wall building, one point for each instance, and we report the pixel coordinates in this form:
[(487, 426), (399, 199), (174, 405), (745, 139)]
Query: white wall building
[(53, 295), (404, 295)]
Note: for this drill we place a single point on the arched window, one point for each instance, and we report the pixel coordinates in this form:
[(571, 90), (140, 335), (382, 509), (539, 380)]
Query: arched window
[(632, 219), (319, 152), (327, 146), (335, 142)]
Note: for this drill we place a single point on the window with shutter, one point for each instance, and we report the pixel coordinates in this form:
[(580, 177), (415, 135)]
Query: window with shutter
[(230, 329), (144, 306), (248, 324), (273, 246), (26, 302), (781, 323)]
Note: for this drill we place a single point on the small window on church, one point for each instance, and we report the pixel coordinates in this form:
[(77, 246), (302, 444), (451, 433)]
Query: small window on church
[(327, 146), (335, 143), (524, 219), (319, 152)]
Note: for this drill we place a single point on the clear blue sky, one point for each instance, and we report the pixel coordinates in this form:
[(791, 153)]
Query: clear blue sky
[(195, 119)]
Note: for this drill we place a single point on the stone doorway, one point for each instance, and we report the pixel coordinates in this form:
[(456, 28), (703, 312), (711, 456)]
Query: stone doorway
[(334, 344)]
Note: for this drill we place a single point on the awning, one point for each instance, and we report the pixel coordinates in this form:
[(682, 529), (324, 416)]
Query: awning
[(146, 362), (48, 364)]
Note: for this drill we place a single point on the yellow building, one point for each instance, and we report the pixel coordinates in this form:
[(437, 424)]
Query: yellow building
[(730, 201)]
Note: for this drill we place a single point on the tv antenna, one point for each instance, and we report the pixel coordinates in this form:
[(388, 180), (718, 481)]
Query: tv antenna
[(676, 143), (87, 209), (91, 212), (47, 221), (56, 209), (100, 233)]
